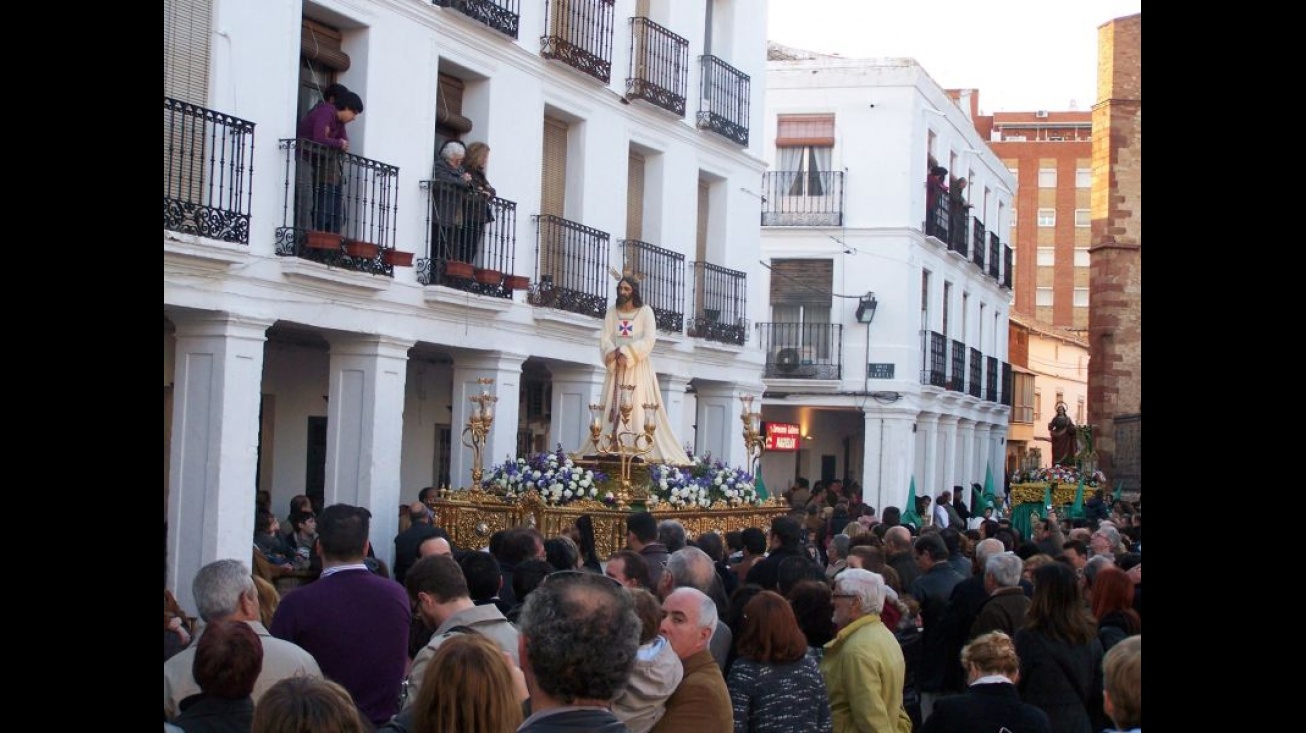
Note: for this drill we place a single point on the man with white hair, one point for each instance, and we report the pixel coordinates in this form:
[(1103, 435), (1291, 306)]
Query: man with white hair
[(690, 567), (224, 591), (1007, 604), (701, 701), (863, 665)]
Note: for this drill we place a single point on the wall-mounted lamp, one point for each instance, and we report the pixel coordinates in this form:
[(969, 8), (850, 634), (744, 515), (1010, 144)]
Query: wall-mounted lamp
[(866, 308)]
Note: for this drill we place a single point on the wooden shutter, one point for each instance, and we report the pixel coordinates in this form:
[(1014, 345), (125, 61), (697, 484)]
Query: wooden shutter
[(320, 45), (794, 131), (186, 32), (700, 250), (802, 282), (553, 189), (449, 119), (635, 197)]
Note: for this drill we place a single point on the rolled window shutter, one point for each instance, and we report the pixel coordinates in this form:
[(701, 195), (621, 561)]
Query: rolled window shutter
[(635, 197), (186, 33), (320, 44), (449, 106), (802, 282)]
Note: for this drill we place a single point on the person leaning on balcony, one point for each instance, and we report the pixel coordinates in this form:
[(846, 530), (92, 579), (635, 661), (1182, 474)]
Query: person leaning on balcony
[(958, 207), (935, 189), (478, 212), (451, 187), (325, 127)]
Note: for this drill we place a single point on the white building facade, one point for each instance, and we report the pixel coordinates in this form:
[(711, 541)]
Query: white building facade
[(886, 340), (624, 135)]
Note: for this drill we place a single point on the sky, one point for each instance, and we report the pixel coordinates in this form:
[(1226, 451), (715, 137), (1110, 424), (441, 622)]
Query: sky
[(1021, 55)]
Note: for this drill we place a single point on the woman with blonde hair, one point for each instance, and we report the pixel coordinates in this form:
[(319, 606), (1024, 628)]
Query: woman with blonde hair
[(469, 686), (991, 701)]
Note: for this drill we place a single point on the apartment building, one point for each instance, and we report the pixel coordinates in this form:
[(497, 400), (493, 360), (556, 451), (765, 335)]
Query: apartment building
[(886, 323), (1049, 367), (336, 355)]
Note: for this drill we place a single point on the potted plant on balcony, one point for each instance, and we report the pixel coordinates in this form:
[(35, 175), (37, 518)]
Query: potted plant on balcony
[(516, 282), (397, 258), (457, 268), (486, 276), (361, 250), (318, 239)]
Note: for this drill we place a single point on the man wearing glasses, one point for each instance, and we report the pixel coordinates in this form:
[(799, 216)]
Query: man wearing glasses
[(863, 665)]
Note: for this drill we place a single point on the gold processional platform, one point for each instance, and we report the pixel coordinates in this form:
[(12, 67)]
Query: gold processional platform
[(470, 516)]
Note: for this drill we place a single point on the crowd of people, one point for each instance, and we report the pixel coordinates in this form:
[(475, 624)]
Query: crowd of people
[(802, 625)]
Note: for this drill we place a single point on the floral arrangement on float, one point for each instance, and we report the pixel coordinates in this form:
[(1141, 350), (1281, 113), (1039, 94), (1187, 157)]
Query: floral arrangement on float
[(704, 484), (554, 476), (1060, 475)]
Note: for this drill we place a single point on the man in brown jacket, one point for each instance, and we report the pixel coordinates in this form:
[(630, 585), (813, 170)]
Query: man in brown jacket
[(701, 701)]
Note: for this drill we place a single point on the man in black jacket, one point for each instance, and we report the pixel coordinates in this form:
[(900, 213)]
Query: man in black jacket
[(785, 540)]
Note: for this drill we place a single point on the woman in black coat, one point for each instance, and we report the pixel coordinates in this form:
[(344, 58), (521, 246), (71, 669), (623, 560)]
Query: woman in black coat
[(991, 702), (1060, 655)]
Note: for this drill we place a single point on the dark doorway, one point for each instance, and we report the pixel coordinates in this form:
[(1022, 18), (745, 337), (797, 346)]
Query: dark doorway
[(827, 468), (315, 471)]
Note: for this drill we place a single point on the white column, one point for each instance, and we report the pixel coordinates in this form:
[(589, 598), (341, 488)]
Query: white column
[(673, 401), (720, 431), (897, 450), (575, 388), (927, 482), (217, 381), (966, 457), (501, 443), (950, 462), (365, 427), (996, 452), (979, 448)]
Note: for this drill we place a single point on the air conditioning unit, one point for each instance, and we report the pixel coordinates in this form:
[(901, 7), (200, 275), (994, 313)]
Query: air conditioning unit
[(1041, 114), (787, 360)]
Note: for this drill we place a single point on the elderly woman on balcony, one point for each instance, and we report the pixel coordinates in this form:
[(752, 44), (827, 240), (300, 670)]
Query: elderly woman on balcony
[(451, 186)]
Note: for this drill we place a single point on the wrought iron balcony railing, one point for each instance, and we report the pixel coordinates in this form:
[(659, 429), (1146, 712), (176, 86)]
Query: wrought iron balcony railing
[(339, 208), (977, 235), (937, 219), (802, 199), (659, 66), (662, 283), (720, 300), (1006, 384), (958, 381), (465, 227), (1006, 266), (995, 252), (723, 100), (991, 380), (977, 254), (959, 232), (802, 350), (580, 35), (934, 348), (501, 15), (975, 383), (571, 262), (208, 172)]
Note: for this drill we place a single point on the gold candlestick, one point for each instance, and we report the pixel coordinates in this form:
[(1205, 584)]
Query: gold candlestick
[(754, 441), (623, 442), (478, 426)]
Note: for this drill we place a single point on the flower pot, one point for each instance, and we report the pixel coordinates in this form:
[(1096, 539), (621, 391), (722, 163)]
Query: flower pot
[(361, 250), (318, 239), (516, 282), (454, 268), (396, 258), (488, 277)]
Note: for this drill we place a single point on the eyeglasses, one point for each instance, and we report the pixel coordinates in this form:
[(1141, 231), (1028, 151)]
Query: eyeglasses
[(837, 596)]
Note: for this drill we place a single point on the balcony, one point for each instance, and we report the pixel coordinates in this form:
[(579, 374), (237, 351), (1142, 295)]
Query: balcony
[(571, 263), (977, 236), (465, 227), (659, 66), (1006, 384), (500, 15), (207, 172), (959, 232), (662, 284), (580, 36), (723, 100), (977, 253), (335, 201), (802, 199), (991, 380), (995, 251), (720, 300), (937, 219), (958, 381), (933, 351), (802, 350), (975, 383), (1006, 266)]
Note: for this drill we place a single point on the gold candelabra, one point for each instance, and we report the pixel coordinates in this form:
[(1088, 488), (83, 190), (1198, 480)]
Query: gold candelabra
[(478, 426), (754, 441), (623, 442)]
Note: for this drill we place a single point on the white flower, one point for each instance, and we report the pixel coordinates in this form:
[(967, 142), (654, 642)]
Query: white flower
[(567, 494)]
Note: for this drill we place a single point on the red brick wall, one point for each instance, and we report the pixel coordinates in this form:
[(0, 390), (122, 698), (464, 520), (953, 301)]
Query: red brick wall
[(1115, 313)]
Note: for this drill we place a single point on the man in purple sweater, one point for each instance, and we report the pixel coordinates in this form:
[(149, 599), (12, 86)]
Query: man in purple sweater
[(354, 623)]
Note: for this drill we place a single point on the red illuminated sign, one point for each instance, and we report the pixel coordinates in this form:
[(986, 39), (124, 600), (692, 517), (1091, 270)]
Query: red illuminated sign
[(782, 436)]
